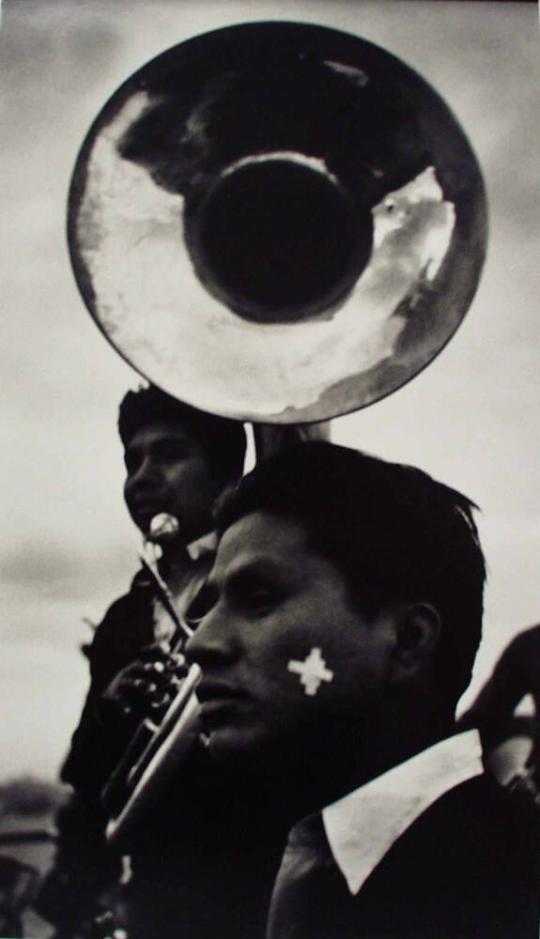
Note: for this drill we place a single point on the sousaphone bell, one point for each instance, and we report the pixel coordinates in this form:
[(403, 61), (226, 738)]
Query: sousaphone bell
[(277, 222)]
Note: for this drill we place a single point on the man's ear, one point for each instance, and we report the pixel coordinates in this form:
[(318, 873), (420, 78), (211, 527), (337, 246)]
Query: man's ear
[(417, 631)]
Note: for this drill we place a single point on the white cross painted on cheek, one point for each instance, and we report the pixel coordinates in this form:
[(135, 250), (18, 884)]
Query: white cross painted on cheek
[(312, 672)]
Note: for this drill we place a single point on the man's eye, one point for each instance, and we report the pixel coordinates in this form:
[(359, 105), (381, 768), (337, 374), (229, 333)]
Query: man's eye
[(261, 600), (172, 453)]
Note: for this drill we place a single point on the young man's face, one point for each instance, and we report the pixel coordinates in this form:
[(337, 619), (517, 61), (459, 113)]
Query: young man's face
[(169, 471), (283, 653)]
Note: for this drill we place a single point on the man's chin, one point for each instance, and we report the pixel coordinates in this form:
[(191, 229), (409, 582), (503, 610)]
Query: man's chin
[(226, 745)]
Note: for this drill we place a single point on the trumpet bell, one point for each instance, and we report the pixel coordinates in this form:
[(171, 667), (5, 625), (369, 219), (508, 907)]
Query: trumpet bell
[(277, 222)]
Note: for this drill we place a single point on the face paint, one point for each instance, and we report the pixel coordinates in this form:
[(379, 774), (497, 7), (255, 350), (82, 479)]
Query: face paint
[(312, 671)]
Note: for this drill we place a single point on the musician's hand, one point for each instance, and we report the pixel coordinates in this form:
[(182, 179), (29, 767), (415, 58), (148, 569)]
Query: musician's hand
[(516, 674), (146, 687)]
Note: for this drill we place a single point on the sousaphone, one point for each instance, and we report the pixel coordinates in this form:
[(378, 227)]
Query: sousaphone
[(277, 222)]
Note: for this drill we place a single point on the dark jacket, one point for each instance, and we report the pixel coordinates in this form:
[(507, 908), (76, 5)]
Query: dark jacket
[(100, 737), (84, 865), (467, 868)]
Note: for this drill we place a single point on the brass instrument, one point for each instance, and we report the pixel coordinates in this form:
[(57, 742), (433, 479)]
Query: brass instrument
[(164, 753), (157, 747), (275, 222)]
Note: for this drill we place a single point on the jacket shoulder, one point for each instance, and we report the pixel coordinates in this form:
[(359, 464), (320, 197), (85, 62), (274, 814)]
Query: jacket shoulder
[(470, 864), (125, 629)]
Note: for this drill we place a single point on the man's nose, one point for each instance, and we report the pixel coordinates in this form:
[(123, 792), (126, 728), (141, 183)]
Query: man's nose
[(147, 473), (214, 641)]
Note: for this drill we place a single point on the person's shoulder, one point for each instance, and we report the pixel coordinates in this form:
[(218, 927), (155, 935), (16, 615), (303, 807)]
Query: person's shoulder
[(481, 817), (481, 798), (118, 614), (485, 842), (124, 630), (467, 868)]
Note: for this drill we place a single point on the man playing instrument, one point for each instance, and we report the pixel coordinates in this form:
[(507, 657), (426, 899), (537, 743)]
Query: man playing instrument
[(344, 615), (178, 459)]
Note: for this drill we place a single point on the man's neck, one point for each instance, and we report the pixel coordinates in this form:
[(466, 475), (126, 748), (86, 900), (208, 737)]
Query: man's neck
[(304, 780), (398, 737)]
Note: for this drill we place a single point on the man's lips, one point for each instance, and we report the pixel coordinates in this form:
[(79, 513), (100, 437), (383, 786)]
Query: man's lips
[(147, 509), (218, 699), (148, 504)]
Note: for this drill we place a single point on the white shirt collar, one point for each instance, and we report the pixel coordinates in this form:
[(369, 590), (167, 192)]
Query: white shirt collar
[(362, 826)]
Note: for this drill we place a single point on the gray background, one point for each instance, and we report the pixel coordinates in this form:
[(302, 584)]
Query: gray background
[(471, 419)]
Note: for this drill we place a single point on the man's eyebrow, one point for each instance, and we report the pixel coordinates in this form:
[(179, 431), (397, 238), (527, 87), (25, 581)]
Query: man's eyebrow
[(157, 443), (257, 567)]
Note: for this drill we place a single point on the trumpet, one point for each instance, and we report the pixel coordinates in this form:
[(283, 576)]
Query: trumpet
[(165, 751), (157, 749)]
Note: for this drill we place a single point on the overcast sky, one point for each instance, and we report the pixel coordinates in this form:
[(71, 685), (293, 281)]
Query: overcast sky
[(471, 418)]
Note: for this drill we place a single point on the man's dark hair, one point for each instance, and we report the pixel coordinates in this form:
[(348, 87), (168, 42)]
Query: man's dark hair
[(223, 440), (394, 533)]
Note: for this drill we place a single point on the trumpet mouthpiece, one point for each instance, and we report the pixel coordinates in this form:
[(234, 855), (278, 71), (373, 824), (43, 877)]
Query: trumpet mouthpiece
[(164, 528)]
